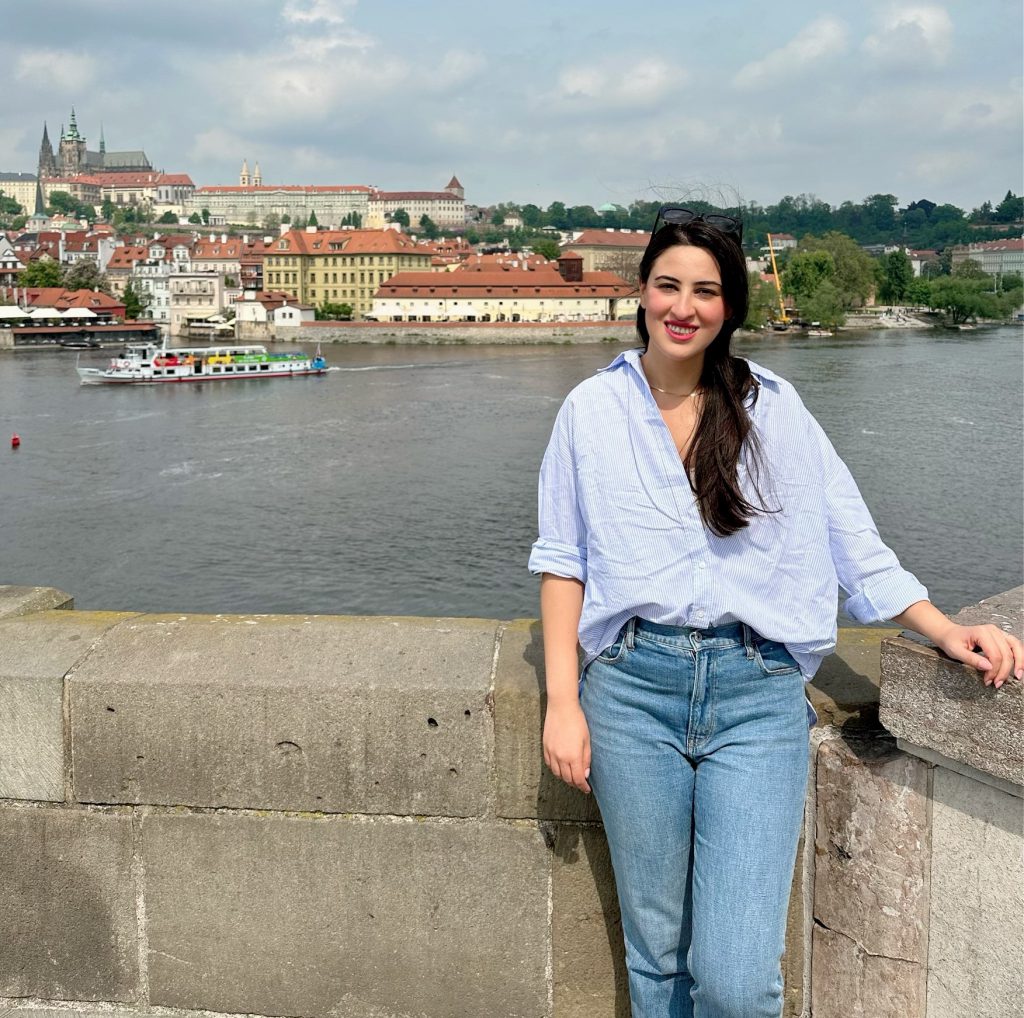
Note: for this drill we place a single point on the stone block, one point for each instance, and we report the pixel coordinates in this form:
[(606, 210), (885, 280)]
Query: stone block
[(588, 956), (975, 951), (36, 652), (847, 982), (872, 848), (524, 785), (26, 600), (367, 918), (942, 705), (68, 906), (336, 714), (844, 692)]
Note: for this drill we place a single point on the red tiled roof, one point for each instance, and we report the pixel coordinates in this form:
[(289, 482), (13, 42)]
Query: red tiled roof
[(212, 250), (1013, 244), (265, 188), (611, 238), (61, 299), (126, 257), (326, 242)]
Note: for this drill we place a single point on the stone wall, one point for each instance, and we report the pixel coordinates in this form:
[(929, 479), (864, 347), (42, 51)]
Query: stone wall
[(312, 815), (457, 333)]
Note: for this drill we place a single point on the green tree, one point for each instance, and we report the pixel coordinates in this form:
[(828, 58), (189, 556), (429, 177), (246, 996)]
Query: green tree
[(546, 246), (286, 219), (85, 275), (9, 206), (205, 213), (168, 217), (557, 215), (1010, 209), (107, 210), (195, 218), (761, 306), (854, 276), (271, 221), (312, 221), (68, 205), (897, 273), (498, 218), (970, 269), (532, 216), (401, 217), (962, 298), (333, 312), (824, 305), (429, 227), (135, 302), (41, 272), (804, 273)]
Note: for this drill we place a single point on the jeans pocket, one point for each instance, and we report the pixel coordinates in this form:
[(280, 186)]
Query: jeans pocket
[(773, 658), (616, 650)]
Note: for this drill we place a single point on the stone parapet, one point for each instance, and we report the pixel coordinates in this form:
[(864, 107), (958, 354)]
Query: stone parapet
[(314, 815), (927, 700)]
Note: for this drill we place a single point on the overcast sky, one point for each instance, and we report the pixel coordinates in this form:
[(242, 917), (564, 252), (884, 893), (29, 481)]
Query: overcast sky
[(531, 101)]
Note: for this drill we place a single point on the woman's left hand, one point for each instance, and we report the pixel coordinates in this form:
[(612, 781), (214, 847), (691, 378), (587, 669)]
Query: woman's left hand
[(986, 647)]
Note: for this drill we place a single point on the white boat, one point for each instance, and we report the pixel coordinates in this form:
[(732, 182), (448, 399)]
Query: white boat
[(148, 363)]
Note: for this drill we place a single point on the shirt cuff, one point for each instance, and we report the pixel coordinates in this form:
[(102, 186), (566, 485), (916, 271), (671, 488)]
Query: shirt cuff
[(885, 597), (561, 559)]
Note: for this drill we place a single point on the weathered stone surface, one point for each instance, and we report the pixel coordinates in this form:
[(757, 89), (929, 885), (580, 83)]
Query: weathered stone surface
[(36, 651), (844, 692), (942, 705), (367, 919), (847, 982), (872, 847), (26, 600), (372, 715), (68, 906), (975, 952), (525, 787), (588, 957)]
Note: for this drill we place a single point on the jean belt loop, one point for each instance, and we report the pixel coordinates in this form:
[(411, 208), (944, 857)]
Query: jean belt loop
[(748, 639), (630, 630)]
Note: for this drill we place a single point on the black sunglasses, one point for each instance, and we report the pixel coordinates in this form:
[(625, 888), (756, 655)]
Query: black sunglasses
[(676, 215)]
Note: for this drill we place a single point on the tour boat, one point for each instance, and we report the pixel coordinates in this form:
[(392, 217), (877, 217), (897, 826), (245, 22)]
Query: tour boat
[(147, 363)]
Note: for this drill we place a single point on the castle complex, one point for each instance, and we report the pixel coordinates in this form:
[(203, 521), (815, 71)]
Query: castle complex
[(73, 159)]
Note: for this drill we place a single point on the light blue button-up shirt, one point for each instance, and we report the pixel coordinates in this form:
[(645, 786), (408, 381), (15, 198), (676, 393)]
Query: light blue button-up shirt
[(617, 513)]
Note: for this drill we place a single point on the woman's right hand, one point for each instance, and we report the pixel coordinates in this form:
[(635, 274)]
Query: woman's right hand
[(567, 744)]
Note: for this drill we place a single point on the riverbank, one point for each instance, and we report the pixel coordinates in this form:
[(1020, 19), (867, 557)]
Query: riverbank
[(456, 333)]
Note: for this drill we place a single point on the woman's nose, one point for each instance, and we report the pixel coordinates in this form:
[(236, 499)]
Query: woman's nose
[(683, 304)]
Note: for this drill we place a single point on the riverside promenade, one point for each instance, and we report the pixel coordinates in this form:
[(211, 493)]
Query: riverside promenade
[(349, 816)]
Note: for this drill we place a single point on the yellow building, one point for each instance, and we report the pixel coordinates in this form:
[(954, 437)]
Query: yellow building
[(341, 266)]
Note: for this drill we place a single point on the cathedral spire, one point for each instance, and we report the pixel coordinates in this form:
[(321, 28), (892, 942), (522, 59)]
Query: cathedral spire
[(73, 126), (47, 166), (40, 209), (103, 144)]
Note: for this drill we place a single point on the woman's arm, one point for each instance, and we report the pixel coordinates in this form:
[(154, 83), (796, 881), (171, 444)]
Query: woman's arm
[(984, 647), (566, 736)]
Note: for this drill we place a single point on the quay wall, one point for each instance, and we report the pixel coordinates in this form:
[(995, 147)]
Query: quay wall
[(319, 815), (457, 333)]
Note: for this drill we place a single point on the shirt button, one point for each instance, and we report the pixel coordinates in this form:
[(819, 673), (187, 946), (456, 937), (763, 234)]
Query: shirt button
[(702, 565)]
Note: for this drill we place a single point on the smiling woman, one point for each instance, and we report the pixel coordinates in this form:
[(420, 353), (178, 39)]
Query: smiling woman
[(695, 527)]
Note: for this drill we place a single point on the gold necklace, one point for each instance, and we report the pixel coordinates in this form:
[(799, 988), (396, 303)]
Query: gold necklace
[(668, 392)]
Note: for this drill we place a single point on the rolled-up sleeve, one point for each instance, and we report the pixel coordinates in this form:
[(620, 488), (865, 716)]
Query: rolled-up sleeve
[(867, 568), (561, 547)]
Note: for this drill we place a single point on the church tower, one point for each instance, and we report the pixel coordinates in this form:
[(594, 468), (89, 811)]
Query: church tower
[(257, 177), (72, 150), (243, 177), (454, 187), (47, 162)]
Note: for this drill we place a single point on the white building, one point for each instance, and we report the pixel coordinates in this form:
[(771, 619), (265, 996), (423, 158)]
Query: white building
[(194, 297), (996, 257)]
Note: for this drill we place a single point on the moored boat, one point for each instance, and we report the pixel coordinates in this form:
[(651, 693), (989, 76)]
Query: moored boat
[(147, 363)]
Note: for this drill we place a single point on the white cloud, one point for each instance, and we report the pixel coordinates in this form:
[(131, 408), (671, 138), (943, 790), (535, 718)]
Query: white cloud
[(331, 12), (58, 69), (917, 36), (619, 82), (820, 40)]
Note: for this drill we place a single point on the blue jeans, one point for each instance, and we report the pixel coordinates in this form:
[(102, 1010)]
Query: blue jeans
[(699, 766)]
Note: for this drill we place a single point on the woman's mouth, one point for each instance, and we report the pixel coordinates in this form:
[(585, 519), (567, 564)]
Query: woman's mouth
[(680, 330)]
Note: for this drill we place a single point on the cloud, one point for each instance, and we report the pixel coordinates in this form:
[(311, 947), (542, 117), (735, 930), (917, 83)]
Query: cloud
[(821, 39), (307, 12), (58, 69), (619, 82), (919, 36)]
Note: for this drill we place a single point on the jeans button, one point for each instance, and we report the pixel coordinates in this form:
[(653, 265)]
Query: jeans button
[(697, 637)]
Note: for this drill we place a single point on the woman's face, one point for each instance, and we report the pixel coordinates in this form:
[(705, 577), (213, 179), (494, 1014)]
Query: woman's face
[(684, 308)]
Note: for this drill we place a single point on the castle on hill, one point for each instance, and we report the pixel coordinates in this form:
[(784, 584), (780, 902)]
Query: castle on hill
[(73, 158)]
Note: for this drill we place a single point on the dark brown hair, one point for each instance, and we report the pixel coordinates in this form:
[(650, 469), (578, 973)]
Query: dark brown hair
[(729, 389)]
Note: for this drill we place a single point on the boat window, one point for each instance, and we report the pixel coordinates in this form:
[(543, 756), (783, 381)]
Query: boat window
[(264, 367)]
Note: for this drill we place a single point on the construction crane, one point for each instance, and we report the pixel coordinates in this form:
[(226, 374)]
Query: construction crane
[(783, 317)]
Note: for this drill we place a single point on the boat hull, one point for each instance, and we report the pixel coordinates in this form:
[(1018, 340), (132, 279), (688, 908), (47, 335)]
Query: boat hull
[(95, 376)]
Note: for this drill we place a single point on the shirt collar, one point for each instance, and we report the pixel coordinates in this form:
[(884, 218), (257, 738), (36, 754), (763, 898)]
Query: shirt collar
[(632, 358)]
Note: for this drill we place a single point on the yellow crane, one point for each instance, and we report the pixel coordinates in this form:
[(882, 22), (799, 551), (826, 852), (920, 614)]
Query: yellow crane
[(783, 317)]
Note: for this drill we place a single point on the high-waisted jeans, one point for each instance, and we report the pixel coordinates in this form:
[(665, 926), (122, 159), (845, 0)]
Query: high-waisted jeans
[(699, 766)]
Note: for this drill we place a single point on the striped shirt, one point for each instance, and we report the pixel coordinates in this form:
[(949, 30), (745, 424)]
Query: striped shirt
[(617, 513)]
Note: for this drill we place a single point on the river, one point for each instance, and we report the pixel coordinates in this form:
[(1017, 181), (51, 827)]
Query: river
[(405, 483)]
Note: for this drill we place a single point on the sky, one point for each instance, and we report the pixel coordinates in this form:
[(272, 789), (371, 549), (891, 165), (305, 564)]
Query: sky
[(530, 101)]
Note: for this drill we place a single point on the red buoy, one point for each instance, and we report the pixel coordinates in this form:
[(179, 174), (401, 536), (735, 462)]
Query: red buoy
[(15, 441)]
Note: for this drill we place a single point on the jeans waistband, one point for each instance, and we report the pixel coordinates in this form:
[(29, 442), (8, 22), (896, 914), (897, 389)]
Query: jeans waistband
[(731, 633)]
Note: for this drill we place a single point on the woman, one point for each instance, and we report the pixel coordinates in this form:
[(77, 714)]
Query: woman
[(695, 525)]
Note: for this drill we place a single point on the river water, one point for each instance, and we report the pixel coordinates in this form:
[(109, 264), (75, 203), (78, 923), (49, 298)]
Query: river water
[(406, 483)]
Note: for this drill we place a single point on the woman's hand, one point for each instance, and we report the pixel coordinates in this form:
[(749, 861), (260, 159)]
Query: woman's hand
[(567, 744), (986, 647), (994, 653)]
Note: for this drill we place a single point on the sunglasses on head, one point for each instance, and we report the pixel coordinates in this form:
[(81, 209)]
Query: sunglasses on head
[(676, 215)]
